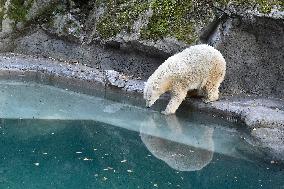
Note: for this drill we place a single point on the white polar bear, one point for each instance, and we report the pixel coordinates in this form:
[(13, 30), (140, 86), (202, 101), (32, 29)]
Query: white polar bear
[(198, 67)]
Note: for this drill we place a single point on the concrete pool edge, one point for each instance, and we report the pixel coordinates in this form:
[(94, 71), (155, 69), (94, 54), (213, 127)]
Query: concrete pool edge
[(263, 117)]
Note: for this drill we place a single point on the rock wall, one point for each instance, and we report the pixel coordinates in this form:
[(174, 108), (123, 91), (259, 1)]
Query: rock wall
[(135, 37), (254, 51)]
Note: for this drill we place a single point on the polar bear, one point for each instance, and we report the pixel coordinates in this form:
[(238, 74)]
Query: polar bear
[(198, 67)]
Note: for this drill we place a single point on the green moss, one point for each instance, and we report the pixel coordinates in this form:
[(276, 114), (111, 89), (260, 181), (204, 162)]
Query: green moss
[(18, 9), (181, 19), (2, 3), (170, 18), (120, 15), (263, 6), (266, 6)]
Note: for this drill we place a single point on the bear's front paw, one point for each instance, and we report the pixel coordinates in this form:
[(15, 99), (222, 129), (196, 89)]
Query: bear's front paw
[(166, 112), (206, 100)]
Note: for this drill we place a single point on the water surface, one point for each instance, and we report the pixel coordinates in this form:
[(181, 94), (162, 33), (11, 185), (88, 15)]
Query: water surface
[(54, 138)]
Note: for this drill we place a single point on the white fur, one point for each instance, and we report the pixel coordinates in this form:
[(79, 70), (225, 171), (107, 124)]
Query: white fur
[(198, 67)]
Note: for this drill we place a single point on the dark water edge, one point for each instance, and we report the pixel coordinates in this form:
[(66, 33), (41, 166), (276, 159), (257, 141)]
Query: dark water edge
[(89, 154)]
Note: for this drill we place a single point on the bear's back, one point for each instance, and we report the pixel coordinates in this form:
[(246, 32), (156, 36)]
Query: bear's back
[(197, 56)]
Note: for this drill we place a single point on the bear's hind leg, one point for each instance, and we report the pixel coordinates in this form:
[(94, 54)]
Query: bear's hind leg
[(176, 99)]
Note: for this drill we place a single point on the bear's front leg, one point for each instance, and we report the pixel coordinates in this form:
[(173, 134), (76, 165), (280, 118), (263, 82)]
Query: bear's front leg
[(212, 95), (176, 100)]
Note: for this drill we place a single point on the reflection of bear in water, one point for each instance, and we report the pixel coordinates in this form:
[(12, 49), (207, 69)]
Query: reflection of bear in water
[(180, 156)]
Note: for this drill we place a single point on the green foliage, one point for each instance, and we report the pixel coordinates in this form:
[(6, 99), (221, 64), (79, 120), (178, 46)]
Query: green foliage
[(120, 15), (19, 9), (263, 6), (181, 19), (177, 18), (170, 18), (2, 3)]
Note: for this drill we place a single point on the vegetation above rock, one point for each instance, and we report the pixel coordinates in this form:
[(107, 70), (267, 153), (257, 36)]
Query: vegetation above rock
[(119, 15), (175, 18), (263, 6), (18, 9), (180, 19)]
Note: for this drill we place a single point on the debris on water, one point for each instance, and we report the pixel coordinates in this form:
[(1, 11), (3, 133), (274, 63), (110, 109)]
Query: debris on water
[(272, 162), (78, 152), (104, 178), (123, 161), (44, 153), (36, 164), (95, 149), (52, 133), (155, 185), (149, 155), (105, 169), (106, 154), (96, 175), (129, 171), (87, 159)]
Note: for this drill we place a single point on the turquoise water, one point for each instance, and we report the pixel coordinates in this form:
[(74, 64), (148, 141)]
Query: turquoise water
[(88, 154), (54, 138)]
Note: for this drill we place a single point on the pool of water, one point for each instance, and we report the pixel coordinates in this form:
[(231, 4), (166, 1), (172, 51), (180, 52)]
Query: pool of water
[(55, 138)]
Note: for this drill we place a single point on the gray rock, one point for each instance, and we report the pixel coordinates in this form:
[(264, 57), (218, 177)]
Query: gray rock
[(114, 78), (270, 140), (264, 119), (253, 50), (96, 56), (119, 80), (38, 7), (21, 64), (134, 86)]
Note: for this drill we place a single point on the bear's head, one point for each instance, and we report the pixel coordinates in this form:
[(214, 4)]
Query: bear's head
[(151, 95)]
